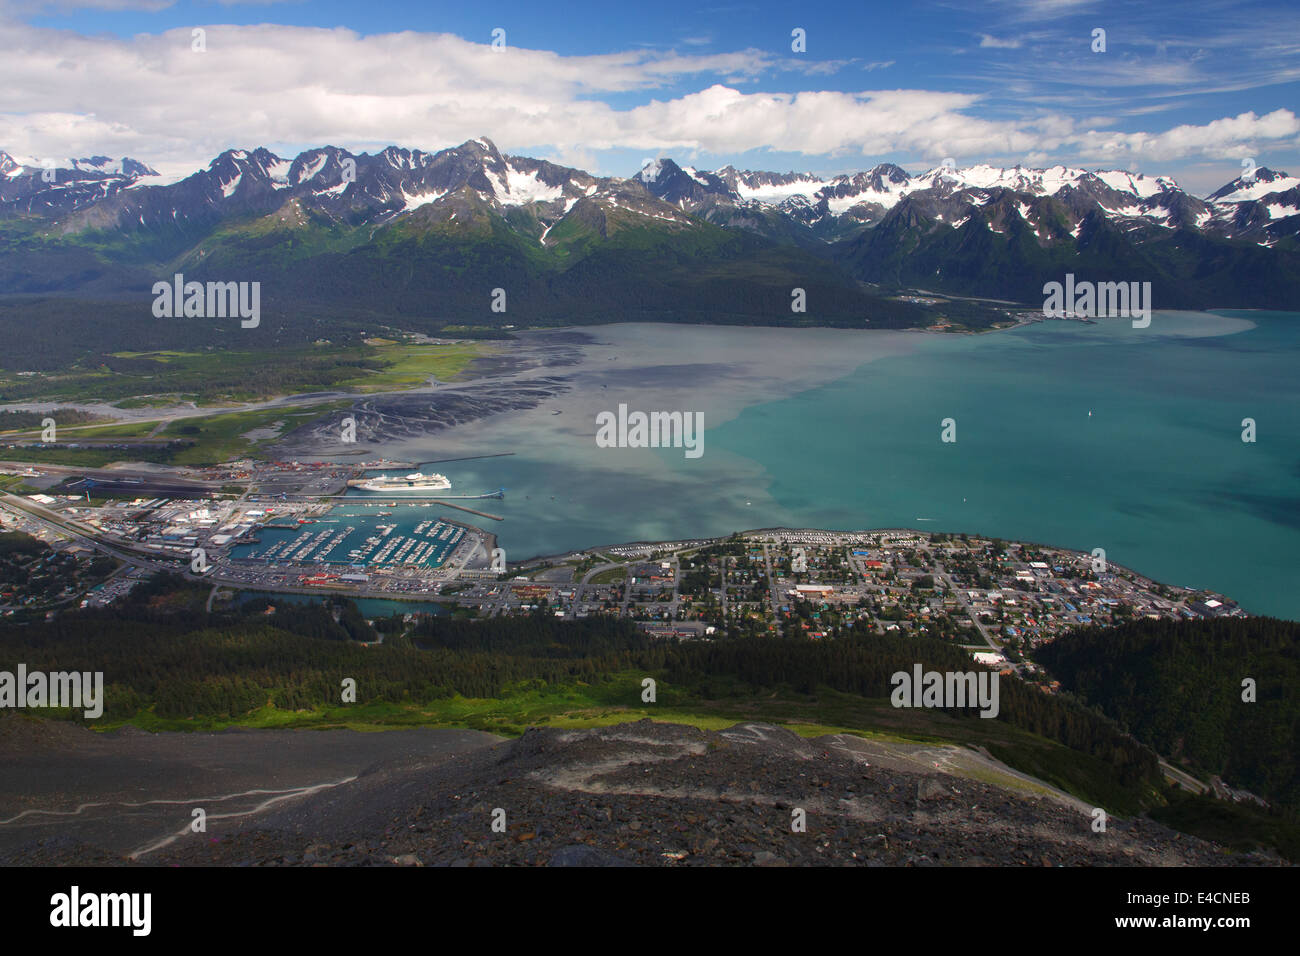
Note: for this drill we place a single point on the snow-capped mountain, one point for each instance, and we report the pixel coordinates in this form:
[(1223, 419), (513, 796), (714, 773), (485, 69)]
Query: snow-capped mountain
[(1266, 203), (30, 186), (840, 205), (359, 189), (938, 228)]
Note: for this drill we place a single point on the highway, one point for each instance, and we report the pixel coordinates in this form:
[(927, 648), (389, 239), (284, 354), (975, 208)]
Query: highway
[(79, 533)]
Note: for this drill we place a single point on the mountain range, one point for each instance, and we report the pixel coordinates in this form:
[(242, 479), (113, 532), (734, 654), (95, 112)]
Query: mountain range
[(422, 239)]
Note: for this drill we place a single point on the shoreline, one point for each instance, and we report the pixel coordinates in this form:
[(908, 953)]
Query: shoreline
[(692, 543), (292, 399)]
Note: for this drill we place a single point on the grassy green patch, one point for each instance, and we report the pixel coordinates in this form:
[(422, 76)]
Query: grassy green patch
[(213, 377), (221, 437), (211, 439), (405, 366)]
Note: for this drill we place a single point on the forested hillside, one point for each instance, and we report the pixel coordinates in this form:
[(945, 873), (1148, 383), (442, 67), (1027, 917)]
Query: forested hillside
[(1177, 686)]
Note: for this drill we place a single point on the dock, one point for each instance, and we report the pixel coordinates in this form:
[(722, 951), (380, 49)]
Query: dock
[(443, 461), (481, 514)]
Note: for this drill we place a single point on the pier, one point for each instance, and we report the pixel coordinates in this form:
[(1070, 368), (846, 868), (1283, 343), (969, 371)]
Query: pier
[(481, 514), (380, 498), (498, 454)]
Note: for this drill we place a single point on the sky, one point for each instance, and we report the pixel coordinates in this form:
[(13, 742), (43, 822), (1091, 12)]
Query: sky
[(1184, 89)]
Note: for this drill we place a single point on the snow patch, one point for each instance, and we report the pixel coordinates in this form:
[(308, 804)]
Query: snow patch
[(695, 175), (525, 187), (278, 172), (779, 192), (650, 171), (1260, 189), (112, 166), (499, 189), (310, 171), (1144, 187), (416, 200)]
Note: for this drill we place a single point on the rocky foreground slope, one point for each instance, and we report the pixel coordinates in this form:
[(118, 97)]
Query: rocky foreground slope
[(666, 795)]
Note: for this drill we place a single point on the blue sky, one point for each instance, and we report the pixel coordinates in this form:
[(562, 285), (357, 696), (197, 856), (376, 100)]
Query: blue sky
[(1184, 89)]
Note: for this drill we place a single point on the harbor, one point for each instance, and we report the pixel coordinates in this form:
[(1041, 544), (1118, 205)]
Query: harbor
[(424, 545), (380, 522)]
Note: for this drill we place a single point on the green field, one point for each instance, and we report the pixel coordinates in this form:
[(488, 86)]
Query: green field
[(216, 438), (112, 429), (221, 438), (14, 484), (213, 377), (407, 366)]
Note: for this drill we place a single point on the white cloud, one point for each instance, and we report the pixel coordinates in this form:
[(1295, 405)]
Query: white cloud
[(1225, 138), (150, 96)]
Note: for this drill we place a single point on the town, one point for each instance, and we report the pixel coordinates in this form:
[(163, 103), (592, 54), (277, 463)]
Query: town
[(996, 599)]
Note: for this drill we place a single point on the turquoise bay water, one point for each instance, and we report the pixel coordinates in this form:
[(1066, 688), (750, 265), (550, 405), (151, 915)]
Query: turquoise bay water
[(1157, 474), (841, 430)]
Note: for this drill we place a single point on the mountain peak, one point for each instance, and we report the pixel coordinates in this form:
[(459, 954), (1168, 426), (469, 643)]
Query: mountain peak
[(1261, 183), (125, 166), (483, 145), (105, 166), (657, 169)]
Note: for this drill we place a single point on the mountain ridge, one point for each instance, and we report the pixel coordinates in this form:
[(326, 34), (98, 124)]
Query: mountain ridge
[(408, 233), (379, 184)]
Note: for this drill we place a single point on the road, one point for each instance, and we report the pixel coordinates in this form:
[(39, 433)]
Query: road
[(79, 533), (964, 601), (771, 590), (580, 589), (1183, 779)]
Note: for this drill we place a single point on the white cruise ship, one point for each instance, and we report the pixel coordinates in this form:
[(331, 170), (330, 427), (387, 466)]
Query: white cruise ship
[(414, 482)]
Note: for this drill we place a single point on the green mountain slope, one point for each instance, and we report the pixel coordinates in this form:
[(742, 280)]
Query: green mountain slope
[(1178, 688)]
